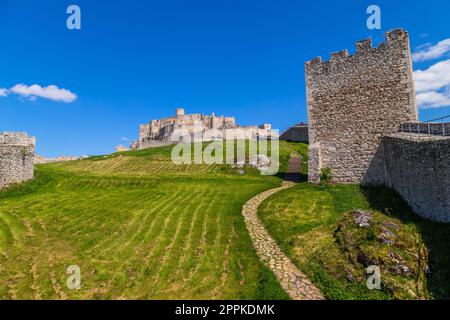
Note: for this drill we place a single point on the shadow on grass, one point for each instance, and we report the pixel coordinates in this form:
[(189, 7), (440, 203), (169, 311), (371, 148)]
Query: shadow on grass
[(295, 176), (435, 235)]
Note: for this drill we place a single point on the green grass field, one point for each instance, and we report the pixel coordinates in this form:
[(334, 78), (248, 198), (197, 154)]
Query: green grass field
[(308, 222), (138, 226)]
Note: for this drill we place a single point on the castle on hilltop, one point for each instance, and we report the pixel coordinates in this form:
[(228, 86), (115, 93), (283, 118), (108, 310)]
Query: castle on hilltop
[(196, 126), (17, 152)]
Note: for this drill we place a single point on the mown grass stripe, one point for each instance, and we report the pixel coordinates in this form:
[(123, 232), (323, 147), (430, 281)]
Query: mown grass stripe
[(169, 262)]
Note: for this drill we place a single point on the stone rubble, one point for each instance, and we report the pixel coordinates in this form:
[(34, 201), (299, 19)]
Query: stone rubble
[(362, 219)]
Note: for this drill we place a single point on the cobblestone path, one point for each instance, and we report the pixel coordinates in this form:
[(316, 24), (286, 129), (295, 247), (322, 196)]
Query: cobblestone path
[(293, 281)]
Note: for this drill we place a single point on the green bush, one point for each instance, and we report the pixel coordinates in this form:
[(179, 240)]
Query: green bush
[(326, 175)]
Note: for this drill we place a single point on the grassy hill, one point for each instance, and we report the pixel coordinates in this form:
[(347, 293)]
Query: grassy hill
[(141, 227), (315, 227), (138, 226)]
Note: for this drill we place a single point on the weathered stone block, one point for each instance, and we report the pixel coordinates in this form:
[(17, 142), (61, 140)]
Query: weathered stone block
[(17, 152)]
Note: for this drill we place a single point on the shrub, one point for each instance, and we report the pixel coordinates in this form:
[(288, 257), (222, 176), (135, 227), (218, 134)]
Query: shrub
[(325, 174)]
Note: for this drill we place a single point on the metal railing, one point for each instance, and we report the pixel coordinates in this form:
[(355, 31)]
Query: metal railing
[(435, 127)]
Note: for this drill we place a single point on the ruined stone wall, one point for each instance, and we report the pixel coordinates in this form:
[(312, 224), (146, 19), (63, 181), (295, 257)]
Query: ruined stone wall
[(17, 152), (418, 168), (161, 132), (355, 100)]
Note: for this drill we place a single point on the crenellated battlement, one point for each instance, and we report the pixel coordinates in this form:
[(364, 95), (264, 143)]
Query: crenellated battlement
[(337, 56), (364, 46), (17, 138), (356, 105), (353, 101), (394, 40)]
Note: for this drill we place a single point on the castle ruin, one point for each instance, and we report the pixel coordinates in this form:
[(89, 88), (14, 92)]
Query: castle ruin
[(161, 132), (17, 152), (358, 108), (353, 101)]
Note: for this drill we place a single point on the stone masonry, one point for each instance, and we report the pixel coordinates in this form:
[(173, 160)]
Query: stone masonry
[(161, 132), (353, 101), (17, 152), (418, 167), (363, 126)]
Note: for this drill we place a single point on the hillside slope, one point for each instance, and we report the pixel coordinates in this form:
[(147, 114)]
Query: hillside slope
[(138, 226)]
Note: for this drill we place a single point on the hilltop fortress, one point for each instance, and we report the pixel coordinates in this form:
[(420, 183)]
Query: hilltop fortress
[(17, 151), (161, 132), (357, 104)]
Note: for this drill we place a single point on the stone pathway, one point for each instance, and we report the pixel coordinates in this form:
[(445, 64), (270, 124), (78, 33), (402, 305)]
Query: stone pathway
[(292, 280), (294, 168)]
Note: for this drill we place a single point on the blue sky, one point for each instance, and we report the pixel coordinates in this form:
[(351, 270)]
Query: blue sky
[(137, 60)]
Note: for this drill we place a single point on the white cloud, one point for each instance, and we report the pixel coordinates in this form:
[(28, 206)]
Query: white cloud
[(125, 139), (429, 51), (3, 92), (433, 99), (434, 78), (433, 85), (51, 92)]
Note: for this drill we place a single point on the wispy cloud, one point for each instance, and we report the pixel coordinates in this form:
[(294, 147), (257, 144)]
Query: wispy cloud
[(433, 99), (430, 51), (3, 92), (434, 78), (433, 85), (124, 139), (51, 92)]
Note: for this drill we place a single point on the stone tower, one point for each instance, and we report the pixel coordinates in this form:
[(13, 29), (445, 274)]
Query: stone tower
[(180, 112), (17, 152), (355, 100)]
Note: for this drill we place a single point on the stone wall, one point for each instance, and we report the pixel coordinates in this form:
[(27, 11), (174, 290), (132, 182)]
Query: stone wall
[(165, 131), (314, 162), (160, 131), (17, 152), (355, 100), (418, 168)]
